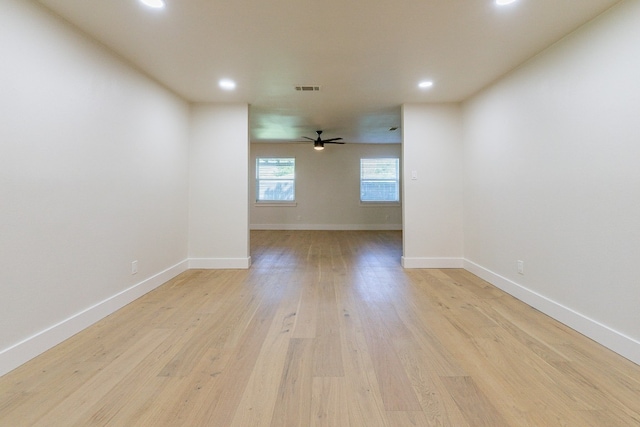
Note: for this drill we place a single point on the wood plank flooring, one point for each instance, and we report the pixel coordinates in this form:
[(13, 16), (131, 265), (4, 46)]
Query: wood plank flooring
[(325, 329)]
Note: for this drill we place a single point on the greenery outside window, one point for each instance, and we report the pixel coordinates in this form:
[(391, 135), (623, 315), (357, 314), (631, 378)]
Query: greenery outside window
[(380, 180), (275, 179)]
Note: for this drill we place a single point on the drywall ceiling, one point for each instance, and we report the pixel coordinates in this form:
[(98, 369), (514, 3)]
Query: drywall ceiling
[(367, 56)]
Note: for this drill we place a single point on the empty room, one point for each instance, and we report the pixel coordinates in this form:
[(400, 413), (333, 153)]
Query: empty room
[(308, 213)]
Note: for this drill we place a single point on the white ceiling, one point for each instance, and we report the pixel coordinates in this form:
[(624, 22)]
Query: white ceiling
[(366, 55)]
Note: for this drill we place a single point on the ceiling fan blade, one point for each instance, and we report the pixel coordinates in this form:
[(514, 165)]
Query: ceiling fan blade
[(333, 142), (310, 139), (331, 139)]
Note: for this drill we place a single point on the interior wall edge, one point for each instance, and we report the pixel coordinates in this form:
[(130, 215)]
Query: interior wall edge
[(431, 262), (220, 263), (602, 334)]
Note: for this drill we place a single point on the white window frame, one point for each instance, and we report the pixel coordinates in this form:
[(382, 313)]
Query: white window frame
[(395, 180), (260, 200)]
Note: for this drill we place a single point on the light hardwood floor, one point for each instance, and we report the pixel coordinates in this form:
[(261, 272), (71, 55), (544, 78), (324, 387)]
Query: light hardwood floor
[(325, 329)]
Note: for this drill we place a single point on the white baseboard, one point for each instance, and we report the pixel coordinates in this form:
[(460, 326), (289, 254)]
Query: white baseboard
[(602, 334), (219, 263), (328, 227), (16, 355), (413, 262)]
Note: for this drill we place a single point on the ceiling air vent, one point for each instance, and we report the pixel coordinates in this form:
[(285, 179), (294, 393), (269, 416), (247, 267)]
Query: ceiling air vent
[(307, 88)]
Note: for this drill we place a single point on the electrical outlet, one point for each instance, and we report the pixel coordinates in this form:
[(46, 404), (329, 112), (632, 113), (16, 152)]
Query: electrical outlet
[(134, 267), (520, 267)]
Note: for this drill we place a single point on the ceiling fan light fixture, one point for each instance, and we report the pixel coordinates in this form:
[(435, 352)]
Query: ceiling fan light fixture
[(155, 4), (318, 143)]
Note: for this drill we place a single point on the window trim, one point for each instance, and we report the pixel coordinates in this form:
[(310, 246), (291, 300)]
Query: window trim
[(375, 203), (269, 202)]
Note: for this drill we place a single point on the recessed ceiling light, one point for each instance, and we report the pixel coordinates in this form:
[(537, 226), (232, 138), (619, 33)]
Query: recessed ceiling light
[(156, 4), (504, 2), (425, 84), (227, 84)]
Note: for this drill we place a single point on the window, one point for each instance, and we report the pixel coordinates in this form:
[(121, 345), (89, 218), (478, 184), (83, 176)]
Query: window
[(379, 180), (275, 179)]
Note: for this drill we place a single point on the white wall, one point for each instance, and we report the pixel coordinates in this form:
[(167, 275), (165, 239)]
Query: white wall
[(432, 209), (93, 175), (552, 158), (327, 189), (219, 188)]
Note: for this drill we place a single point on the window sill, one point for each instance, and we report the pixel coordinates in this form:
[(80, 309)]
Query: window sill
[(379, 204), (275, 204)]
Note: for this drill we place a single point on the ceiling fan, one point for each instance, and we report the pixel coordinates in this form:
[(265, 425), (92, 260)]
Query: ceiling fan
[(318, 143)]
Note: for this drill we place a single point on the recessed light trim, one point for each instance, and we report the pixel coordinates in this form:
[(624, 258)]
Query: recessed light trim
[(155, 4), (425, 84), (227, 84), (504, 2)]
